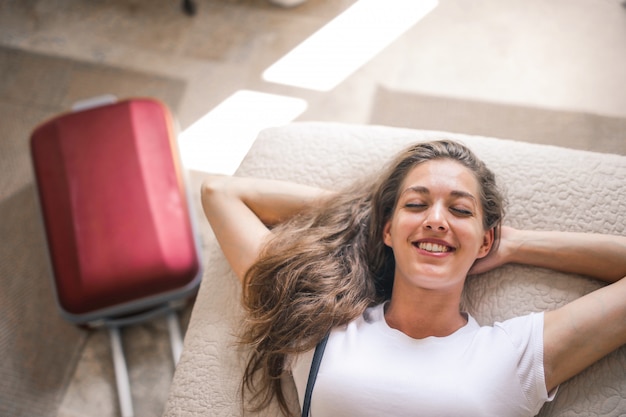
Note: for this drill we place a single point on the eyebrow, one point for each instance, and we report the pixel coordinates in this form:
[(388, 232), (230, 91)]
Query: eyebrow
[(456, 193)]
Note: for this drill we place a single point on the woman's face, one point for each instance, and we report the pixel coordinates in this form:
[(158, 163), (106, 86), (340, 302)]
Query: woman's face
[(436, 230)]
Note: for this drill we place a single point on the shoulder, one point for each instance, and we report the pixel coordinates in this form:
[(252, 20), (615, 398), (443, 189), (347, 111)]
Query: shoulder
[(371, 317), (521, 337), (516, 343), (522, 327)]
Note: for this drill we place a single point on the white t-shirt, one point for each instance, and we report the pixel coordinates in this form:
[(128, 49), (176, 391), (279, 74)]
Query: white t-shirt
[(370, 369)]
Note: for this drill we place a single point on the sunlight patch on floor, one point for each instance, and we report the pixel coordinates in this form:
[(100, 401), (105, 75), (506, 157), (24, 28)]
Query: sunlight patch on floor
[(346, 43), (218, 142)]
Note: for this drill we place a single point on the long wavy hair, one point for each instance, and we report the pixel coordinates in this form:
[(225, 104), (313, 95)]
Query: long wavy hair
[(326, 265)]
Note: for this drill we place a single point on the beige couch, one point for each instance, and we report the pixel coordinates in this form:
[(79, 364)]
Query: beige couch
[(547, 188)]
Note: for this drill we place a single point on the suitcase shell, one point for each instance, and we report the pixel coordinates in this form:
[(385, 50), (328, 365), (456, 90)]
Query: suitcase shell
[(115, 210)]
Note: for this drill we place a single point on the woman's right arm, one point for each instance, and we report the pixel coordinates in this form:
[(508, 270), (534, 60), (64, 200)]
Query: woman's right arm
[(240, 210)]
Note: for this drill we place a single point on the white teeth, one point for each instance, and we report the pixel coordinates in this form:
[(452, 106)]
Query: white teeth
[(432, 247)]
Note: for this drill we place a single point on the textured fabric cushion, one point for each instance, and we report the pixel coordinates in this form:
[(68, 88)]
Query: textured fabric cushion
[(547, 188)]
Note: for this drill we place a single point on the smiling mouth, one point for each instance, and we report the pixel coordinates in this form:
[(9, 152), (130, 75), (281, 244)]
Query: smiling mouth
[(433, 247)]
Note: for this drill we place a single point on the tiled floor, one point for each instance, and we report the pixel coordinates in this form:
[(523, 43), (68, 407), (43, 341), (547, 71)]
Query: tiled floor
[(562, 54)]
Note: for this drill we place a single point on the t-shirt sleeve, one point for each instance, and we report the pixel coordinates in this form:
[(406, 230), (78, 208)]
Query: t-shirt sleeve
[(526, 335)]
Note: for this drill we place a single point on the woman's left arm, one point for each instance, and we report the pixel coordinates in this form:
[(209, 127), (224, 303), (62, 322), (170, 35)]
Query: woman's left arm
[(580, 333), (595, 255), (589, 328)]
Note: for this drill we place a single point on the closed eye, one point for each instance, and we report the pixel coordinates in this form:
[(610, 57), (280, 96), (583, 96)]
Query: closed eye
[(415, 206), (462, 211)]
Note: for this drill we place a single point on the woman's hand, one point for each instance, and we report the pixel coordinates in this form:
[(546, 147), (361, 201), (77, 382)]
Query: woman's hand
[(501, 255)]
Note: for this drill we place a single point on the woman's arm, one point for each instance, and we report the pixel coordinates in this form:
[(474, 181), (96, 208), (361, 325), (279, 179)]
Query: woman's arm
[(582, 332), (589, 328), (240, 209), (595, 255)]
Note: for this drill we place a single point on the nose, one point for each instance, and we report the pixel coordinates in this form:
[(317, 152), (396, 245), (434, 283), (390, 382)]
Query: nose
[(436, 219)]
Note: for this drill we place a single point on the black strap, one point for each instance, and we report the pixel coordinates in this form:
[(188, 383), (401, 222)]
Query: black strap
[(315, 366)]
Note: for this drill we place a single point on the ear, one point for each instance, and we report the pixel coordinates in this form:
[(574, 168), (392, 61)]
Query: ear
[(488, 240), (387, 233)]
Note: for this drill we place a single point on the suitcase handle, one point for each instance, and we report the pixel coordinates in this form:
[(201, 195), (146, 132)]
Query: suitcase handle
[(119, 360)]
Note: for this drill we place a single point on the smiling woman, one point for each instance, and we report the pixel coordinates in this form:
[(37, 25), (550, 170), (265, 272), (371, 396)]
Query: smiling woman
[(436, 233), (380, 267)]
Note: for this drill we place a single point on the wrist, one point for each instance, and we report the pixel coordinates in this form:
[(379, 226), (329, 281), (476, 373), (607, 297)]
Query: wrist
[(512, 241)]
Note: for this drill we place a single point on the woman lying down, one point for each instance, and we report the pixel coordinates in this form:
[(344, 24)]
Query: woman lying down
[(379, 268)]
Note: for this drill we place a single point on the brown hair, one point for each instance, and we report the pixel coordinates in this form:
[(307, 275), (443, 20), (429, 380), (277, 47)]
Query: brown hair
[(325, 266)]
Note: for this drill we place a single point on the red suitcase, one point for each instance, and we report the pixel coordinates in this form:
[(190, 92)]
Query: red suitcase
[(115, 210)]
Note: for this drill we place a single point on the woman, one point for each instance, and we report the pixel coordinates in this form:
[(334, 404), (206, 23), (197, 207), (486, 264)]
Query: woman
[(382, 266)]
